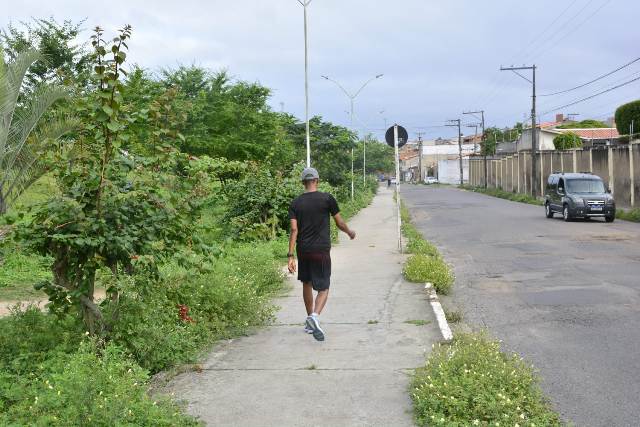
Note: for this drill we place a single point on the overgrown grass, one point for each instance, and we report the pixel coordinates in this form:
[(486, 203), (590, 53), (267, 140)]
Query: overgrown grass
[(496, 192), (52, 374), (453, 316), (472, 382), (628, 214), (363, 195), (425, 265)]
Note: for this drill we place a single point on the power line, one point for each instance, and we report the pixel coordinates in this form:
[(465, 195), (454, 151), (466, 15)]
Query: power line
[(592, 96), (594, 80)]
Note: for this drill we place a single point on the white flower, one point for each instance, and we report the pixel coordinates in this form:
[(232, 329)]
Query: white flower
[(476, 422)]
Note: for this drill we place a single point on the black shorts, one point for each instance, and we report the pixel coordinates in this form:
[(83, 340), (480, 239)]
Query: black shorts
[(315, 267)]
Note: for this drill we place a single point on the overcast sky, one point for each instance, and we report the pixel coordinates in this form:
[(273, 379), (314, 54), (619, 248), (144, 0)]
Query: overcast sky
[(439, 58)]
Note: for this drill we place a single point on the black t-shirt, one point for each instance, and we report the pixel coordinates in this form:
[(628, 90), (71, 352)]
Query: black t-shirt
[(312, 211)]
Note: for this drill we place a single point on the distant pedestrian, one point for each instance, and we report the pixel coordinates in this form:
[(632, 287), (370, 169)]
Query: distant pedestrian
[(309, 214), (388, 182)]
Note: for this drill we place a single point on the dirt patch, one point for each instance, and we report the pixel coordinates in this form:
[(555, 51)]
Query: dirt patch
[(6, 306)]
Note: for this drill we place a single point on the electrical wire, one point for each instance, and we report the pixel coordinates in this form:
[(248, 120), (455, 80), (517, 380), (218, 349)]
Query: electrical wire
[(592, 96), (594, 80)]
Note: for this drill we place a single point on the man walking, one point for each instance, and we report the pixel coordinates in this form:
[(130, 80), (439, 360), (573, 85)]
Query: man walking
[(310, 236)]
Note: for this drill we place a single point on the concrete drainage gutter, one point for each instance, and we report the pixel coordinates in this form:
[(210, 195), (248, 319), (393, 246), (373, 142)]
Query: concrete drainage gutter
[(445, 330)]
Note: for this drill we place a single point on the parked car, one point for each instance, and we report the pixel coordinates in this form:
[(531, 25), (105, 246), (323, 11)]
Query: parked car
[(431, 180), (393, 180), (578, 195)]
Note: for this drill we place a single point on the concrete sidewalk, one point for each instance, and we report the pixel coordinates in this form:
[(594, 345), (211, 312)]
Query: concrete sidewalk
[(359, 376)]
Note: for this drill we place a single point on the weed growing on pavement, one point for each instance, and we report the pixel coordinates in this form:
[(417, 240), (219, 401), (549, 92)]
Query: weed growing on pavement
[(496, 192), (418, 322), (472, 382), (453, 316), (628, 214), (372, 322), (428, 269), (425, 265)]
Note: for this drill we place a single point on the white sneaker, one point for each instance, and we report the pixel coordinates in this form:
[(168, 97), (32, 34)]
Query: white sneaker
[(313, 323)]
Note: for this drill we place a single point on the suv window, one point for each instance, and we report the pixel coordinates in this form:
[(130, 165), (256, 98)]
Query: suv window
[(585, 186), (561, 185)]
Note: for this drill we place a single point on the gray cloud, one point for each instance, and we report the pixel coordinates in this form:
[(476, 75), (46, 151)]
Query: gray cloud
[(439, 57)]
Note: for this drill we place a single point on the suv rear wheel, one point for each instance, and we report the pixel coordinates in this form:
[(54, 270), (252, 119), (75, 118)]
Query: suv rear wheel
[(565, 213), (547, 210)]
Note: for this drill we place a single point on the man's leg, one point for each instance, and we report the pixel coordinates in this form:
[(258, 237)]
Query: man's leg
[(307, 295), (321, 300)]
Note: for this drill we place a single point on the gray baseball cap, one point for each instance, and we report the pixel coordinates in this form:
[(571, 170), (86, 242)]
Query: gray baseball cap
[(309, 173)]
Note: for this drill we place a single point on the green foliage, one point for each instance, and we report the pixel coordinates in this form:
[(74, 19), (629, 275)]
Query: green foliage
[(258, 204), (584, 124), (23, 134), (66, 62), (421, 268), (628, 214), (567, 140), (496, 192), (379, 157), (95, 386), (19, 271), (224, 299), (425, 265), (625, 114), (471, 382)]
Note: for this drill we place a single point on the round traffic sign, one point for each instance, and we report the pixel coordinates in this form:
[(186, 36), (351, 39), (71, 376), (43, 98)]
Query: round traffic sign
[(403, 136)]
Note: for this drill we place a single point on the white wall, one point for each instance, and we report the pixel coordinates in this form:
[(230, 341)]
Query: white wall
[(449, 171)]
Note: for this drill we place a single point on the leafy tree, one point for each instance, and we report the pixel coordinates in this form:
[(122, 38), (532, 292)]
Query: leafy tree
[(567, 140), (491, 137), (584, 124), (625, 115), (379, 156), (23, 137), (66, 62), (330, 148), (117, 212)]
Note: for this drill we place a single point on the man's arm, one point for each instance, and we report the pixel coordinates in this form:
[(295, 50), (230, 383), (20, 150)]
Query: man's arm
[(343, 226), (292, 245)]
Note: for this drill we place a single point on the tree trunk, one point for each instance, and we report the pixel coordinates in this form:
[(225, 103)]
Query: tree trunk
[(3, 204)]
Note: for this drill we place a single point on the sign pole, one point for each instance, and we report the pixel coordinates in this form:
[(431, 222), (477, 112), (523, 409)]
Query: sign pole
[(395, 143)]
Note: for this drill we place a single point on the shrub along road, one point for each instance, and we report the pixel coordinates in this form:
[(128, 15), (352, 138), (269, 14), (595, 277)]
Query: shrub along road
[(378, 328), (564, 295)]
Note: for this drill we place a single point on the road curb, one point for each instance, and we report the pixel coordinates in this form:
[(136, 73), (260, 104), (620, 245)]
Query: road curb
[(445, 330)]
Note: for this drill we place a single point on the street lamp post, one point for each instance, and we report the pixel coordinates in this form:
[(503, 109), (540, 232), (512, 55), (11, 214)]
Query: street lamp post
[(306, 81), (352, 98)]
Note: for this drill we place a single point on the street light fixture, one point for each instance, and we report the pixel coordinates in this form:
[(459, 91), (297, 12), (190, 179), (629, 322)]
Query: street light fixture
[(352, 97)]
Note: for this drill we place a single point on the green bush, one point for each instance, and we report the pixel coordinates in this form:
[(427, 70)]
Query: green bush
[(625, 114), (471, 382), (567, 140), (224, 299), (424, 268), (91, 386), (19, 271)]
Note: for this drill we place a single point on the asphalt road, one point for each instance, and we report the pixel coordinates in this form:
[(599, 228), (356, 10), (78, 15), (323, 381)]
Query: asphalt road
[(566, 296)]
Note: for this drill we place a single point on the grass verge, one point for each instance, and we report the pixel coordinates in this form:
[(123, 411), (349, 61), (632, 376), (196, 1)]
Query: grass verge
[(628, 214), (425, 265), (472, 382), (496, 192)]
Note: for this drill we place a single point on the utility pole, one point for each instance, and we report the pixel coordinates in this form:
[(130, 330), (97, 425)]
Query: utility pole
[(456, 122), (420, 178), (534, 133), (306, 81), (484, 149)]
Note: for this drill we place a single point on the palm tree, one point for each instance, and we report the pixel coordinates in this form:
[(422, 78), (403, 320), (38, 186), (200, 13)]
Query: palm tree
[(22, 137)]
